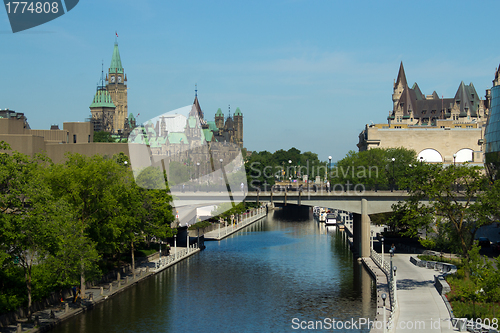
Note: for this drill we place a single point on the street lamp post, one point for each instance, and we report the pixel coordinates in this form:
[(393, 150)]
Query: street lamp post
[(393, 180), (371, 239), (198, 167), (382, 240), (395, 268), (175, 246), (290, 165), (329, 164), (384, 296), (283, 172), (455, 181), (221, 174)]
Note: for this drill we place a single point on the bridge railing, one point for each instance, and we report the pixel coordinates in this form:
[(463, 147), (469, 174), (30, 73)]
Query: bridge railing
[(322, 188), (385, 267)]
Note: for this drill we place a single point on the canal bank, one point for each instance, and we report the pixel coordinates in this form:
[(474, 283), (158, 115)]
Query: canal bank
[(241, 222), (387, 309), (45, 320), (50, 317)]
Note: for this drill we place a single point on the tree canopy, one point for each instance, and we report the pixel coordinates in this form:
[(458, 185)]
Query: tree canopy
[(59, 223)]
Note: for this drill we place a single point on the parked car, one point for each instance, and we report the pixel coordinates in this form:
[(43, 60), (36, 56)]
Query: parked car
[(496, 246), (484, 242)]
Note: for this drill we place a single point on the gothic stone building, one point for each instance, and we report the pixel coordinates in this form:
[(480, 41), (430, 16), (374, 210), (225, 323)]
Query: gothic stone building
[(109, 106)]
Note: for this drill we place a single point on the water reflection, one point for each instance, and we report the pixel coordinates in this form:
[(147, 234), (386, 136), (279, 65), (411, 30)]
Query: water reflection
[(283, 267)]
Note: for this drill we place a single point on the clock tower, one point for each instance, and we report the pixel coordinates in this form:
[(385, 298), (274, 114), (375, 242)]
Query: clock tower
[(116, 85)]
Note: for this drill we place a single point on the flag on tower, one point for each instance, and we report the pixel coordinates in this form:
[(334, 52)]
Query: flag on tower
[(116, 34)]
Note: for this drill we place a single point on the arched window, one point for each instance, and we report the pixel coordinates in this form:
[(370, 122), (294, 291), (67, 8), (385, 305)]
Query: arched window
[(464, 155), (430, 155)]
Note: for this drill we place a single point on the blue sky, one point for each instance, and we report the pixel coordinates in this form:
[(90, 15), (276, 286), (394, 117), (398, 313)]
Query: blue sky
[(305, 74)]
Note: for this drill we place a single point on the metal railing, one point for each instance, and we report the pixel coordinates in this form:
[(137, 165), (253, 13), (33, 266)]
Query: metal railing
[(167, 260), (385, 267), (240, 221)]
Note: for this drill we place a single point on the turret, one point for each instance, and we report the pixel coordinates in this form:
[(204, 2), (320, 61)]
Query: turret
[(399, 86)]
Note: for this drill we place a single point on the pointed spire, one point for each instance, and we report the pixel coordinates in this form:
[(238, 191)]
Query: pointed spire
[(116, 62), (195, 90), (401, 75)]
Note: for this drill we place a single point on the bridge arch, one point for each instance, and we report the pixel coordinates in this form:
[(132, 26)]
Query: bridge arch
[(430, 155)]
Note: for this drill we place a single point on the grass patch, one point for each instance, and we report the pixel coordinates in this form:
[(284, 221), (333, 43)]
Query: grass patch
[(145, 252)]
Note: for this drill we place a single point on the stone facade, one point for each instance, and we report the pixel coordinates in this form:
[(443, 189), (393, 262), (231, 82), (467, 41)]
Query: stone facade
[(75, 137), (447, 130)]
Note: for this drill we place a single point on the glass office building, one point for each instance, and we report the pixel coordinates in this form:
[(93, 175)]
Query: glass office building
[(492, 135)]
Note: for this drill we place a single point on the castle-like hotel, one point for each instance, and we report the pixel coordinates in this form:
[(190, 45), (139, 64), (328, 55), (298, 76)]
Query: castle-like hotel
[(440, 130)]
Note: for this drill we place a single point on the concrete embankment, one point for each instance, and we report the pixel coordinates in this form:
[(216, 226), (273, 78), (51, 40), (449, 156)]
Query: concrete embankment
[(48, 318), (242, 221)]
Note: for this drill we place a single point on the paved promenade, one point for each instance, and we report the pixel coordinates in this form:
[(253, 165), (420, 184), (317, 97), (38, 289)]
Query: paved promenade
[(93, 295), (421, 307)]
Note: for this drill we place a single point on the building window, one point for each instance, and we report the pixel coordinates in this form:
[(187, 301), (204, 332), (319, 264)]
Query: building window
[(89, 138), (74, 138)]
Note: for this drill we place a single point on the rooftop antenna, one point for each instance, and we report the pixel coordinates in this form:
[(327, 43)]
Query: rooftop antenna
[(195, 90), (229, 111)]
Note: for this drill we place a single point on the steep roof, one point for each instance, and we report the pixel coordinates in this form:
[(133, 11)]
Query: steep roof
[(212, 126), (401, 75), (219, 113), (116, 62), (176, 137), (192, 122), (196, 109), (102, 98), (208, 134), (238, 112), (467, 99)]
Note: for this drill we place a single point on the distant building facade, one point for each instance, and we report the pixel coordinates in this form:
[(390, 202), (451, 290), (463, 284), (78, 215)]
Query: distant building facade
[(440, 130), (492, 135), (109, 108), (75, 137)]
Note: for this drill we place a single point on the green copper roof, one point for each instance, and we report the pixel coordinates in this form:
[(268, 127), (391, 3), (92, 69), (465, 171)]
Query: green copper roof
[(212, 126), (238, 112), (176, 137), (102, 98), (219, 113), (131, 116), (208, 134), (192, 122), (116, 62)]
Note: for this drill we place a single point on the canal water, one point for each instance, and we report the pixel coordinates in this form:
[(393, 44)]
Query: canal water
[(283, 273)]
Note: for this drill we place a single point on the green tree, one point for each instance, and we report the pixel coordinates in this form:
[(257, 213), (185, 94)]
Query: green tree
[(103, 137), (30, 214), (373, 167), (91, 186), (455, 202)]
